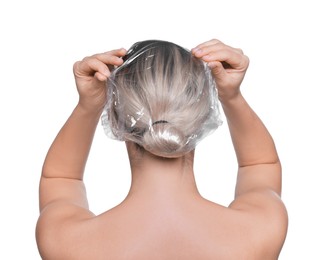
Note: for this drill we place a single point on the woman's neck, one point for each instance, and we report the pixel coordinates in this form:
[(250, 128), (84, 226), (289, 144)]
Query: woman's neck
[(161, 178)]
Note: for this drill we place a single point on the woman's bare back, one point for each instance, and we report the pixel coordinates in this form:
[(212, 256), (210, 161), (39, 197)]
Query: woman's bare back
[(192, 228)]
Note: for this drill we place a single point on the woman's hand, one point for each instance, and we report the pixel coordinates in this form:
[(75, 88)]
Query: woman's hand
[(91, 75), (228, 66)]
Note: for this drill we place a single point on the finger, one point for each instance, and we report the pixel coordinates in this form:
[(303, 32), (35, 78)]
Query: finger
[(118, 52), (217, 69), (100, 76), (89, 66), (205, 44), (219, 47), (111, 57), (206, 49), (234, 58)]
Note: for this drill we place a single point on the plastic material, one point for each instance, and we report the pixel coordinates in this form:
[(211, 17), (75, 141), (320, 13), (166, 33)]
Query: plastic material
[(162, 98)]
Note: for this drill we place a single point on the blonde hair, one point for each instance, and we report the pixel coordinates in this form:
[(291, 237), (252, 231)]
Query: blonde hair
[(161, 98)]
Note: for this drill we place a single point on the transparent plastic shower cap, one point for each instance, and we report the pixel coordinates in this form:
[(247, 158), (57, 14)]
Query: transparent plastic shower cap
[(161, 98)]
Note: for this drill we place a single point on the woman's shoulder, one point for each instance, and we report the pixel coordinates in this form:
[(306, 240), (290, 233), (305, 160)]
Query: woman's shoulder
[(265, 217), (192, 229)]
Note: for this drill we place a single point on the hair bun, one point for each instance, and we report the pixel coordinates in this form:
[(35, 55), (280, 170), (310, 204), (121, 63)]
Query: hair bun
[(163, 139)]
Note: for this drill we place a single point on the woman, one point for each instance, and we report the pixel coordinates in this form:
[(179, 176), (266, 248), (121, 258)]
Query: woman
[(163, 216)]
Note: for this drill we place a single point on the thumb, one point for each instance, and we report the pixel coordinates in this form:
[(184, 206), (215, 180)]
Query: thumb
[(217, 69)]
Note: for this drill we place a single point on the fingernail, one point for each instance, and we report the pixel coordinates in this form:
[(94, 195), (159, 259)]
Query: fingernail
[(197, 51), (211, 65)]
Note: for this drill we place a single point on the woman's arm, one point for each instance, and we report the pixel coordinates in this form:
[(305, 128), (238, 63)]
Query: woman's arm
[(258, 187), (62, 196), (254, 147), (66, 159), (259, 165), (62, 172), (259, 174)]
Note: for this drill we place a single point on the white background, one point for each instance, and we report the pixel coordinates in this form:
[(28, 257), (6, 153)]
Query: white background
[(286, 85)]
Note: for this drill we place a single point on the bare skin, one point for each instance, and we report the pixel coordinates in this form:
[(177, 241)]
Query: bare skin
[(163, 216)]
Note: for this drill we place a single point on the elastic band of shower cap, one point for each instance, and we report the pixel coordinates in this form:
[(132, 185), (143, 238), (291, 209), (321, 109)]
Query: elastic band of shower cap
[(162, 98)]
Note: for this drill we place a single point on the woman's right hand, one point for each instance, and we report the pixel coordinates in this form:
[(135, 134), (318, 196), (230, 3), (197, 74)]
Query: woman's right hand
[(228, 66)]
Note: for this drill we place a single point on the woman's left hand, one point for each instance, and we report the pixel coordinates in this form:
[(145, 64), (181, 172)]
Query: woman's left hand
[(91, 75)]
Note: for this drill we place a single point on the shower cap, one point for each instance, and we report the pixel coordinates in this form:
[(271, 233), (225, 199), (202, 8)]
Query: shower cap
[(161, 98)]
